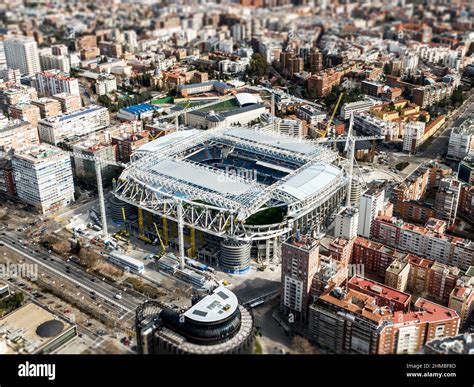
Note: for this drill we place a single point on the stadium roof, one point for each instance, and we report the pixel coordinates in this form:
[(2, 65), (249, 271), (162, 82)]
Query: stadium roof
[(163, 169), (311, 180)]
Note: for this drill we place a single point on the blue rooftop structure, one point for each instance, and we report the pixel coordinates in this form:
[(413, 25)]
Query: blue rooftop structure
[(140, 108)]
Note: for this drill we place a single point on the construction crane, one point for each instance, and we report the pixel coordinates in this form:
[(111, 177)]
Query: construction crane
[(100, 190), (349, 147), (328, 127), (163, 247)]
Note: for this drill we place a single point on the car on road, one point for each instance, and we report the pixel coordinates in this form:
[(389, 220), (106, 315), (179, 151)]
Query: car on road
[(118, 296)]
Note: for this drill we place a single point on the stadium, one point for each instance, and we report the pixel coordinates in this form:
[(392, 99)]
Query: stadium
[(237, 190)]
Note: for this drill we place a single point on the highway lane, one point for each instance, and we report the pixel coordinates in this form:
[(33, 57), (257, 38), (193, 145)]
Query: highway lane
[(76, 275)]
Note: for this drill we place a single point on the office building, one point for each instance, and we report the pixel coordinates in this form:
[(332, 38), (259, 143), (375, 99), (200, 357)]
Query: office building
[(43, 177), (214, 324)]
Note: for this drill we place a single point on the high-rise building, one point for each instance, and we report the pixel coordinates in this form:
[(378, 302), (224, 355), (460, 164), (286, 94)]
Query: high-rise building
[(461, 298), (371, 202), (447, 200), (300, 261), (347, 221), (43, 177), (50, 61), (21, 53)]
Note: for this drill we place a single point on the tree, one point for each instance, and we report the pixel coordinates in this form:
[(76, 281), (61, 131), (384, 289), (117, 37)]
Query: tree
[(302, 346), (258, 65), (457, 97)]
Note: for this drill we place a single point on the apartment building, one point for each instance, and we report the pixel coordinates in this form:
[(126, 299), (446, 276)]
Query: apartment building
[(105, 84), (53, 82), (461, 298), (340, 249), (371, 88), (384, 296), (371, 202), (396, 275), (447, 200), (373, 126), (349, 322), (25, 112), (352, 322), (300, 261), (79, 123), (11, 75), (428, 95), (15, 94), (17, 134), (43, 177), (48, 107), (346, 224), (461, 140), (413, 136), (69, 102), (429, 241), (51, 61)]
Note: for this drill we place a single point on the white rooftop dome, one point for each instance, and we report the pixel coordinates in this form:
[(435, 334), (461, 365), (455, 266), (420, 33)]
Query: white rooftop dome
[(245, 99)]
